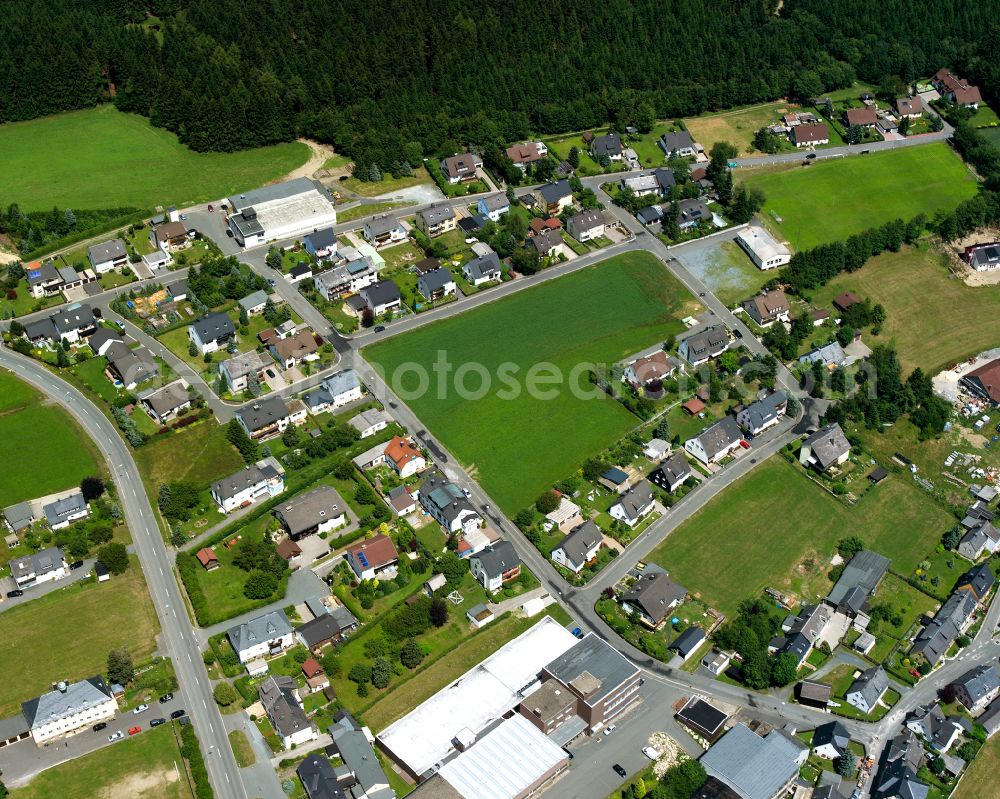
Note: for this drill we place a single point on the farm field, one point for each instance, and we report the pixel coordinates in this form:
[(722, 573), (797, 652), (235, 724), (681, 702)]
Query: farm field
[(71, 631), (920, 298), (39, 433), (521, 445), (764, 548), (146, 766), (834, 199), (102, 158)]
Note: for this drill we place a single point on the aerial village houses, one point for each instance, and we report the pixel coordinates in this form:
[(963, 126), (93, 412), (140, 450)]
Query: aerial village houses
[(495, 566), (69, 709), (765, 413), (704, 345), (527, 153), (436, 220), (262, 636), (767, 308), (826, 448), (212, 332), (716, 441), (586, 225), (280, 698), (280, 211), (252, 483), (372, 557), (810, 135), (383, 230), (459, 168), (672, 473), (493, 206), (318, 511), (652, 596), (649, 369), (634, 505), (579, 547), (107, 256), (448, 505), (268, 417)]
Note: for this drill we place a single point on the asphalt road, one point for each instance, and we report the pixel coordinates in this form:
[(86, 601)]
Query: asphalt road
[(177, 638)]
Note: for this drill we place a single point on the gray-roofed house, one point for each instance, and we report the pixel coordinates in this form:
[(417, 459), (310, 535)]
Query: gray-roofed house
[(691, 213), (382, 297), (830, 355), (579, 547), (250, 484), (107, 255), (982, 538), (677, 143), (858, 581), (436, 220), (716, 441), (436, 284), (493, 206), (327, 628), (671, 474), (953, 619), (369, 422), (19, 517), (586, 225), (978, 687), (337, 390), (69, 708), (267, 417), (495, 565), (43, 279), (831, 740), (826, 448), (897, 773), (554, 197), (607, 146), (267, 635), (634, 505), (254, 302), (687, 643), (281, 702), (930, 723), (41, 332), (650, 215), (652, 597), (130, 367), (353, 744), (866, 691), (316, 511), (74, 323), (384, 230), (39, 567), (765, 413), (701, 347), (755, 767), (102, 338), (978, 580), (483, 269), (212, 332), (448, 505), (178, 290), (66, 510), (318, 778), (548, 243), (236, 371), (321, 243)]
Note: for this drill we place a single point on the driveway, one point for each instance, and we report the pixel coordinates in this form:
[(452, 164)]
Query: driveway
[(422, 194)]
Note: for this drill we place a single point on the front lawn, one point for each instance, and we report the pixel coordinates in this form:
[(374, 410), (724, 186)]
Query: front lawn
[(774, 528), (832, 199), (519, 445), (67, 634)]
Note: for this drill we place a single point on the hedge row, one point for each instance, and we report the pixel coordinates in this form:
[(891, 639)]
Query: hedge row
[(196, 763)]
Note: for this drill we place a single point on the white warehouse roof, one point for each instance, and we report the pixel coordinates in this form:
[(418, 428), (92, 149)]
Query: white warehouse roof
[(483, 694), (763, 244)]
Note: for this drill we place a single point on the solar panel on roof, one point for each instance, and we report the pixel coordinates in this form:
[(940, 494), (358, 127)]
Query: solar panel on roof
[(363, 559)]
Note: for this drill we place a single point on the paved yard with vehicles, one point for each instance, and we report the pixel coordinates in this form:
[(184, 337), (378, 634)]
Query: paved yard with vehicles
[(776, 529), (835, 198), (518, 446)]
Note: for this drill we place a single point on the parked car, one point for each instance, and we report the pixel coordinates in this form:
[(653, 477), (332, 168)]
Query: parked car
[(610, 729), (177, 714), (166, 698), (619, 771), (738, 333), (120, 324), (651, 752), (184, 217), (116, 736), (100, 726), (269, 373), (140, 709), (134, 730), (76, 564), (157, 722), (270, 281), (745, 444), (577, 632), (810, 156), (210, 209), (14, 593), (379, 328), (229, 232)]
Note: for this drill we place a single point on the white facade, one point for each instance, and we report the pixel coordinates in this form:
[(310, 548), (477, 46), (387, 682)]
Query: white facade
[(70, 709), (763, 248)]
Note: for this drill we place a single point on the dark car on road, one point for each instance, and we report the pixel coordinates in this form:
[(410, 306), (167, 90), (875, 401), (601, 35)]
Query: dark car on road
[(166, 698), (619, 771), (379, 328), (177, 714), (16, 592), (157, 722), (737, 333), (76, 564), (100, 726)]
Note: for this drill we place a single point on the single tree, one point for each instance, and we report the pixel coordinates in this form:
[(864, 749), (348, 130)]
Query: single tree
[(120, 668), (260, 585), (114, 557), (381, 673), (224, 694), (439, 612), (547, 502), (91, 488), (846, 764), (411, 654)]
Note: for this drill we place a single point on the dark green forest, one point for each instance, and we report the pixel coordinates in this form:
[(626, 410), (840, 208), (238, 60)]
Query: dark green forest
[(373, 77)]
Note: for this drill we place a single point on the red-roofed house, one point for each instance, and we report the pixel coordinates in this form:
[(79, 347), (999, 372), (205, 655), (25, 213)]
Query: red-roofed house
[(984, 382), (957, 90), (404, 456), (865, 117), (315, 678), (845, 300), (644, 371), (694, 406), (537, 225), (207, 559), (373, 556)]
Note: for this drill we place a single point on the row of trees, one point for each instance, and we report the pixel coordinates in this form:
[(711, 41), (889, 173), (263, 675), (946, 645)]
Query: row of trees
[(31, 231)]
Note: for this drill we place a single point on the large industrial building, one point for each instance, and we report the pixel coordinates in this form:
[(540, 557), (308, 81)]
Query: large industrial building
[(281, 211)]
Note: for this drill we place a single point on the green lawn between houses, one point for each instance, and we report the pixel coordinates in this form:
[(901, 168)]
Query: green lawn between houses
[(67, 634), (519, 447), (774, 528), (102, 158), (145, 766), (833, 199), (34, 435)]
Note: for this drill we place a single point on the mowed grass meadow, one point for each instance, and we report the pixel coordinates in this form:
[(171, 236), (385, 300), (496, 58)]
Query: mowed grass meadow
[(45, 449), (935, 320), (519, 447), (146, 766), (775, 528), (834, 198), (102, 158), (67, 634)]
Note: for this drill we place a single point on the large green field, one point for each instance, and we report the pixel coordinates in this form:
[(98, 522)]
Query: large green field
[(45, 449), (520, 446), (101, 158), (774, 528), (934, 319), (146, 766), (832, 199), (68, 633)]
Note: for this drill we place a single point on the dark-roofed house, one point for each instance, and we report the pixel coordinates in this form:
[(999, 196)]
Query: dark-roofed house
[(984, 382), (608, 146), (864, 117), (318, 778), (448, 505), (897, 773), (65, 510), (604, 681), (579, 547), (764, 413), (68, 709), (677, 143), (687, 643), (831, 740), (250, 484), (74, 323), (705, 719), (168, 402), (704, 345), (483, 269), (458, 168), (691, 212), (495, 566), (316, 511), (43, 279), (826, 448), (362, 769), (493, 206), (951, 621), (716, 441), (634, 505), (107, 255), (586, 225), (978, 581), (716, 789), (755, 767), (816, 694), (382, 297), (280, 698), (548, 243), (327, 628), (436, 220), (978, 687), (652, 597), (321, 243), (671, 474), (102, 338), (650, 215), (212, 332), (267, 635), (40, 567), (130, 367), (810, 135), (866, 691), (41, 332), (19, 517), (930, 723), (436, 284), (858, 581), (383, 230), (554, 197), (981, 538)]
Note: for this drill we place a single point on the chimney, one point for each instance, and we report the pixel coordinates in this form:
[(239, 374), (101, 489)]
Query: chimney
[(63, 686)]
